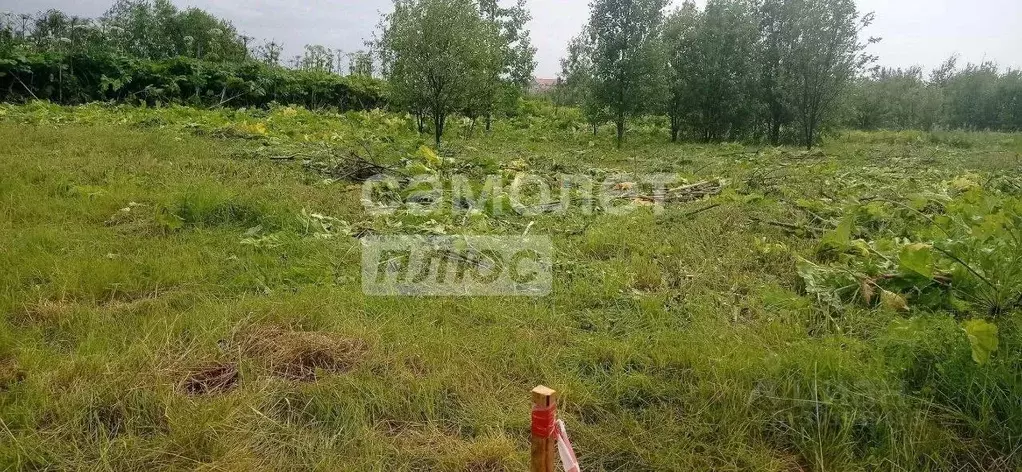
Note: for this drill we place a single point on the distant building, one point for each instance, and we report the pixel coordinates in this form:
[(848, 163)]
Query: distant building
[(540, 86)]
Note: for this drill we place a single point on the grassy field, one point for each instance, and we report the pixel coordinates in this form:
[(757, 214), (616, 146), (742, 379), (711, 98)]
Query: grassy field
[(172, 299)]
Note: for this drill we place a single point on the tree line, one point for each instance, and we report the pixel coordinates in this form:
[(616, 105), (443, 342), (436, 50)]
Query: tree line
[(776, 71), (157, 30), (149, 51), (973, 97), (737, 69)]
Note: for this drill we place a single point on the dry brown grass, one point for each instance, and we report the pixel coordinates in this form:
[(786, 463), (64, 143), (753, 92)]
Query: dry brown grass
[(10, 373), (300, 355), (211, 379)]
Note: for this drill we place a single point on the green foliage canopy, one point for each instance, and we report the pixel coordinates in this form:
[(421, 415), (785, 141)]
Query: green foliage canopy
[(628, 57)]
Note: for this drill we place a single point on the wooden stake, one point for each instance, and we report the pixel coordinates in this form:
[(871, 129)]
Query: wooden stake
[(544, 447)]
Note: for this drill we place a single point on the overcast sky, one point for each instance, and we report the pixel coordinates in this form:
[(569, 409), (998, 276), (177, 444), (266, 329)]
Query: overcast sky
[(914, 32)]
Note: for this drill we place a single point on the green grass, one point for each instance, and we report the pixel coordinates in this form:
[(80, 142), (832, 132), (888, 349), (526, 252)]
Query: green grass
[(678, 342)]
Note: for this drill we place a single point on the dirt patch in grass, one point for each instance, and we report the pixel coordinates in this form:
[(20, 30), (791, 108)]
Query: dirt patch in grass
[(300, 355), (10, 374), (211, 379)]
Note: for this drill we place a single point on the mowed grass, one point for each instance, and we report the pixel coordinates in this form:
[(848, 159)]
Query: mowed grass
[(133, 342)]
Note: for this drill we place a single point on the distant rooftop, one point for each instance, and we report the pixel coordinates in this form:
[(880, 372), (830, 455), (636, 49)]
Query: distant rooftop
[(542, 85)]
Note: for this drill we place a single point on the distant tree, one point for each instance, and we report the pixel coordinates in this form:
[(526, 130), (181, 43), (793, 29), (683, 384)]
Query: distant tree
[(431, 55), (49, 26), (361, 63), (1009, 96), (269, 53), (577, 83), (8, 31), (140, 28), (973, 99), (773, 25), (820, 53), (679, 33), (942, 75), (317, 58), (713, 68), (513, 60), (215, 39), (483, 79), (339, 62), (245, 40), (518, 55), (895, 99), (628, 57)]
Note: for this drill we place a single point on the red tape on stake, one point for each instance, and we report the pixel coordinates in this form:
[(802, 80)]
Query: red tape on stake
[(544, 421)]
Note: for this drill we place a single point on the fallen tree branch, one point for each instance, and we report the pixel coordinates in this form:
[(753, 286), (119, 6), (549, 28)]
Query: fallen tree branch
[(789, 226), (701, 210), (693, 192)]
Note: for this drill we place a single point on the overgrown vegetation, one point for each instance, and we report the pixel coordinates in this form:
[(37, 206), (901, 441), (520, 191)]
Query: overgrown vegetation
[(113, 78), (181, 284), (779, 71), (176, 302), (152, 53)]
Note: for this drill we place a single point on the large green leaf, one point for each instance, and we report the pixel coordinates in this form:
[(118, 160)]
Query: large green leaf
[(842, 236), (918, 258), (983, 338)]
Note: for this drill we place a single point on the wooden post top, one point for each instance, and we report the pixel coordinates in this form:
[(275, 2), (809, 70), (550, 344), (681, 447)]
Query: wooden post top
[(543, 396)]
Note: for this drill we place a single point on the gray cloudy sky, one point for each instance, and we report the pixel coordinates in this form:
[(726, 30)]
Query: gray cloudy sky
[(914, 32)]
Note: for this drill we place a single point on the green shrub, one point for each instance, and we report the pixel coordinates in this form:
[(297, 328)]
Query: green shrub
[(82, 78)]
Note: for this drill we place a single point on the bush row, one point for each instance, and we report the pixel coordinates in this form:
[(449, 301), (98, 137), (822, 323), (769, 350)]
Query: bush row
[(80, 78), (976, 98)]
